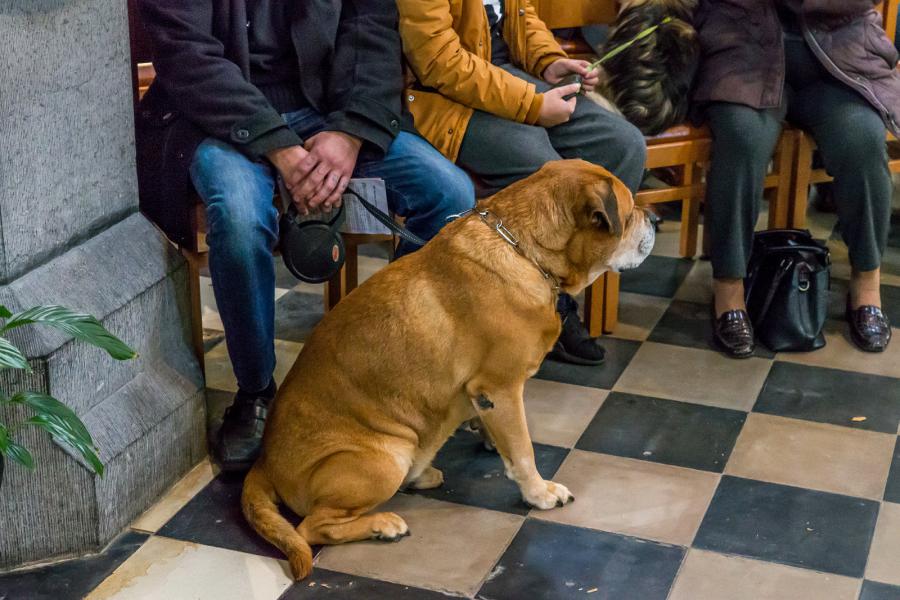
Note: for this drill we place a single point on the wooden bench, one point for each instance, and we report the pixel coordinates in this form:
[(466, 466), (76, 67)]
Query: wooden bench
[(684, 150)]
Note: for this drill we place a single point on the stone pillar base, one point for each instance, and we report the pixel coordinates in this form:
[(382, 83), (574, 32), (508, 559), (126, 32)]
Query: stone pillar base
[(146, 415)]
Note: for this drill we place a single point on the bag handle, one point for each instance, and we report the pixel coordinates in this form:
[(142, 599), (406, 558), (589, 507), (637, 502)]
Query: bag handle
[(783, 269)]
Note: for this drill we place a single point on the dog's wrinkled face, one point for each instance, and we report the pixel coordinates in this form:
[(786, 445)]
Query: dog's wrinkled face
[(610, 232)]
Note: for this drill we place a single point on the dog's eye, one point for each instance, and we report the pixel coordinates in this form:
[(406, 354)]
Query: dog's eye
[(599, 219)]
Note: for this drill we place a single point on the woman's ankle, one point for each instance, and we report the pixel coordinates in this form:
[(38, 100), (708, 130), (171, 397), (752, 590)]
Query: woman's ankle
[(729, 295), (865, 288)]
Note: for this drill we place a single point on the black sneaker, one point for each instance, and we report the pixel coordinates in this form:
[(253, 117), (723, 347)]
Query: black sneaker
[(575, 345), (240, 437)]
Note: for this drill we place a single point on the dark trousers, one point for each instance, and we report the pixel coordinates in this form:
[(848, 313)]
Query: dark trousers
[(500, 152), (851, 139)]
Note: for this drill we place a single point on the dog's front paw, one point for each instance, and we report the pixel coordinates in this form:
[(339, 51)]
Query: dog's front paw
[(546, 495)]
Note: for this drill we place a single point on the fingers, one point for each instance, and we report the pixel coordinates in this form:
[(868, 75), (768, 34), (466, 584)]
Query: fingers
[(334, 199), (311, 184), (565, 90), (325, 192), (580, 67)]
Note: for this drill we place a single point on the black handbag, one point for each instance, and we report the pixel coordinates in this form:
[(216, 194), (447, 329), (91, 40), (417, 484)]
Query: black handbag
[(786, 289)]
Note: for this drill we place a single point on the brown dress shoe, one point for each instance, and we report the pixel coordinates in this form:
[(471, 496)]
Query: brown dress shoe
[(733, 333)]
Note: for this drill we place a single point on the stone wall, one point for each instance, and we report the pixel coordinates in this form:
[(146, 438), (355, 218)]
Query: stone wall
[(70, 234)]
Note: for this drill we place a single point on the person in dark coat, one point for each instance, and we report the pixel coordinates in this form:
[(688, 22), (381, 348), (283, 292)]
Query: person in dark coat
[(827, 67), (251, 90)]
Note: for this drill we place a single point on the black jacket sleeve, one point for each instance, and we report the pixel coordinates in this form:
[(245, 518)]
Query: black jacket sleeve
[(206, 87), (366, 81)]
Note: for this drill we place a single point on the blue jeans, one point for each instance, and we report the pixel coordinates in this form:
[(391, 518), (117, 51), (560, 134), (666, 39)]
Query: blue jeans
[(242, 228)]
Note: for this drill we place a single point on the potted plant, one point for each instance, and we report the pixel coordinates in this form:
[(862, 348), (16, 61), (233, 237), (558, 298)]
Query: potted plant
[(48, 413)]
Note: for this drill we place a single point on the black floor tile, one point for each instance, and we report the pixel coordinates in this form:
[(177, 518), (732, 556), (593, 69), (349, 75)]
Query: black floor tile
[(547, 561), (296, 313), (283, 277), (71, 579), (892, 491), (689, 324), (831, 396), (338, 586), (475, 476), (214, 518), (890, 302), (665, 431), (794, 526), (618, 354), (379, 250), (657, 276), (872, 590)]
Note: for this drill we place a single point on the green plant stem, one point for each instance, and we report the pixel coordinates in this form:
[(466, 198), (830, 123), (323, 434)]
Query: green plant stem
[(622, 47)]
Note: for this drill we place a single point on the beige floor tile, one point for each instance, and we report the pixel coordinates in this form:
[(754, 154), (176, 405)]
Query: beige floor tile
[(693, 375), (164, 568), (176, 497), (633, 497), (710, 576), (811, 455), (884, 557), (841, 353), (220, 376), (668, 239), (452, 547), (697, 286), (369, 265), (558, 413), (638, 315)]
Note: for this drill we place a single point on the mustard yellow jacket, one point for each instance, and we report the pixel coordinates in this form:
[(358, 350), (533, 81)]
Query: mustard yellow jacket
[(447, 44)]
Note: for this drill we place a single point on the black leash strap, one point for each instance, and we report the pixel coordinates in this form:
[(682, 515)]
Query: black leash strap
[(386, 220)]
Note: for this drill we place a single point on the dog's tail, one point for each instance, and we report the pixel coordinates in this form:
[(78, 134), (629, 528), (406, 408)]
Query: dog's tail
[(258, 503)]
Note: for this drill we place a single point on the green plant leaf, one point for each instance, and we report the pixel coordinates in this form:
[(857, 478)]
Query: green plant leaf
[(14, 451), (60, 430), (4, 312), (44, 404), (79, 325), (12, 357)]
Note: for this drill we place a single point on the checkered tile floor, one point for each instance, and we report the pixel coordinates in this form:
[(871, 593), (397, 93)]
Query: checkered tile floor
[(697, 477)]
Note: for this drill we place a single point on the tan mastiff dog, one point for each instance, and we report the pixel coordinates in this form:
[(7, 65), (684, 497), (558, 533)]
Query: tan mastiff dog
[(438, 337)]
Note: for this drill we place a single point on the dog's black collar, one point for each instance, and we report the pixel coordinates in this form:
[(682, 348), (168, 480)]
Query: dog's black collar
[(496, 223)]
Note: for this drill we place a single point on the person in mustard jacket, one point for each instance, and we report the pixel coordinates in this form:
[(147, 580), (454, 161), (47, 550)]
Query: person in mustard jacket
[(482, 94)]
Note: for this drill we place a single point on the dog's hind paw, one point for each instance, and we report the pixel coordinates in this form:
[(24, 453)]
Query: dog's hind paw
[(389, 527), (547, 495)]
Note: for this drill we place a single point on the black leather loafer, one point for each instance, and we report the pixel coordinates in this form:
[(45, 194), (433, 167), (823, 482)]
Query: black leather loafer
[(240, 438), (733, 333), (870, 328)]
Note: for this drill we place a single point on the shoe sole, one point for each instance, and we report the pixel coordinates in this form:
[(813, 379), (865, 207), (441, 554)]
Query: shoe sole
[(563, 356)]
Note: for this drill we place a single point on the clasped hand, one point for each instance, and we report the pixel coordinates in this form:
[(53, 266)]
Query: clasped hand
[(317, 173)]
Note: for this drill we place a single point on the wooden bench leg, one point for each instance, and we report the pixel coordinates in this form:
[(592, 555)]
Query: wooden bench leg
[(593, 306), (195, 262), (799, 193), (690, 212), (781, 197), (611, 302), (601, 305)]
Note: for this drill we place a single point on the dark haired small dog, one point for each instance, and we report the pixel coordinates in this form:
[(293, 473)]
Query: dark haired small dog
[(649, 83)]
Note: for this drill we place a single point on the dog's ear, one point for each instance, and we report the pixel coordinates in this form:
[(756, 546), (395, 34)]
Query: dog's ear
[(608, 203)]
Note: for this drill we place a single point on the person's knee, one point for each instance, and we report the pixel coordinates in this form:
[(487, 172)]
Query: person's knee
[(853, 147), (454, 191), (744, 131)]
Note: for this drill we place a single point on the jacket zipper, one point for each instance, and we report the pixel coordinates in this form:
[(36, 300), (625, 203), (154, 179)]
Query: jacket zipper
[(839, 74)]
